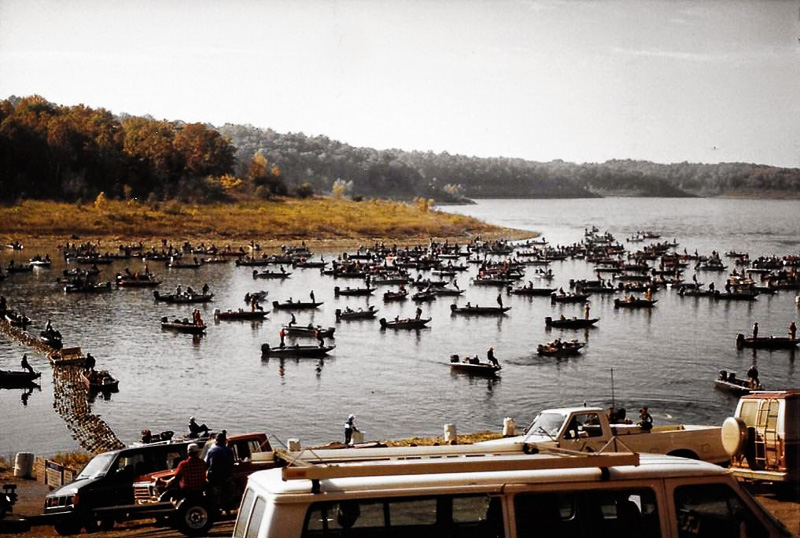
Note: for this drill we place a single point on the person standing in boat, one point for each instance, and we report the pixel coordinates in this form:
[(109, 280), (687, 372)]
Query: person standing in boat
[(25, 364), (205, 289), (586, 309), (198, 320), (792, 330), (755, 330), (89, 362), (418, 314), (752, 376), (313, 300), (500, 299), (645, 420), (292, 321), (492, 359), (349, 428)]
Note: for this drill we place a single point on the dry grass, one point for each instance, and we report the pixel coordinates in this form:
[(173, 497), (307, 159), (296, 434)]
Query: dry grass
[(73, 460), (283, 220), (466, 439)]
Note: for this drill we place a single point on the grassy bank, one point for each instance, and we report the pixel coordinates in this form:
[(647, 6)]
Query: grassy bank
[(320, 219)]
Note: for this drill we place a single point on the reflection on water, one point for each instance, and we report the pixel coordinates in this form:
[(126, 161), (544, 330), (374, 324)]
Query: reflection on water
[(397, 382)]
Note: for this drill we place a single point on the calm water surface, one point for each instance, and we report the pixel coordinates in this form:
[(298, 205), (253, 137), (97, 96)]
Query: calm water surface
[(399, 383)]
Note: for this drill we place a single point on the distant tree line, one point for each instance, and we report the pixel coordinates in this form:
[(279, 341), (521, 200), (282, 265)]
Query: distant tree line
[(76, 152)]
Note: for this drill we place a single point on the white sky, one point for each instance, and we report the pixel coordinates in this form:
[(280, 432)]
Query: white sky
[(667, 81)]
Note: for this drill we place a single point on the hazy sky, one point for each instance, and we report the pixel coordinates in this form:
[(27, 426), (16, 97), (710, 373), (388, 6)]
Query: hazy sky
[(668, 81)]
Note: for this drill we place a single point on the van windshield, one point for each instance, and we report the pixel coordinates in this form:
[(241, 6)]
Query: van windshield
[(98, 466), (547, 424)]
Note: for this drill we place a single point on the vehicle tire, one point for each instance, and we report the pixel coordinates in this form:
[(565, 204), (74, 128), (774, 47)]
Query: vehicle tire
[(194, 518), (68, 527)]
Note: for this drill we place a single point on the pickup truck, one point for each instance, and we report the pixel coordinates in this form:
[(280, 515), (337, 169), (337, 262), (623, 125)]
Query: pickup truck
[(251, 452), (587, 429)]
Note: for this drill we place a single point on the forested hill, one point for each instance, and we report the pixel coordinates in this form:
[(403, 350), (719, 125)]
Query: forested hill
[(75, 153), (369, 172)]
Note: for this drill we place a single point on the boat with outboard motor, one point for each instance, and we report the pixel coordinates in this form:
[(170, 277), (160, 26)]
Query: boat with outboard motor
[(404, 323), (295, 351), (348, 313), (570, 323)]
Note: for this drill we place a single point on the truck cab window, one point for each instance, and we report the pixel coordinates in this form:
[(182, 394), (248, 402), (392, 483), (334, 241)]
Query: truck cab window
[(714, 511)]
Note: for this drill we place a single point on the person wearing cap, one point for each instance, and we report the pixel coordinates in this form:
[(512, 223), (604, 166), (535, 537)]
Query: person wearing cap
[(645, 420), (195, 429), (349, 428), (191, 472)]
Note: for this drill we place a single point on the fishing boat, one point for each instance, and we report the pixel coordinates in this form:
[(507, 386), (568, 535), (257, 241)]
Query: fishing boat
[(182, 326), (530, 291), (558, 348), (51, 338), (352, 292), (400, 295), (479, 310), (448, 292), (183, 298), (349, 313), (631, 302), (100, 381), (239, 315), (271, 274), (295, 351), (177, 264), (568, 298), (404, 323), (18, 267), (9, 378), (424, 296), (87, 287), (295, 305), (473, 366), (766, 342), (309, 330), (134, 281), (729, 382), (570, 323)]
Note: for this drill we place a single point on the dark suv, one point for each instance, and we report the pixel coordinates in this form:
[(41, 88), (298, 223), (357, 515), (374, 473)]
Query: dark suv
[(107, 480)]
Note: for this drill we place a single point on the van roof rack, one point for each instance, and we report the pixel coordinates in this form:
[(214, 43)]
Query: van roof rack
[(323, 464)]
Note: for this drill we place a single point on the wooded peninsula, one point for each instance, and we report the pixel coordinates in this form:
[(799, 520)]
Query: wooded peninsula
[(75, 153)]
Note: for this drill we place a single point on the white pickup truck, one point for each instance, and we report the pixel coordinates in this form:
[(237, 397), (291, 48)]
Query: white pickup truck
[(587, 429)]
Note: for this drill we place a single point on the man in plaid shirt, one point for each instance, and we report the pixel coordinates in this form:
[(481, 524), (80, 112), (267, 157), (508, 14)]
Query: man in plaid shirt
[(192, 471)]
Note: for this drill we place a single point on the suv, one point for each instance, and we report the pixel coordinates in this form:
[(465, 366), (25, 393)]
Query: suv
[(107, 480)]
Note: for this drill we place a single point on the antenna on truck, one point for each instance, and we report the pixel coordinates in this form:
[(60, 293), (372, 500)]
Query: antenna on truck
[(613, 402)]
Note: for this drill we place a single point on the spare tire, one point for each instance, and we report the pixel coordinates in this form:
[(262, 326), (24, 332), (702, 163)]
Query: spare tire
[(734, 436)]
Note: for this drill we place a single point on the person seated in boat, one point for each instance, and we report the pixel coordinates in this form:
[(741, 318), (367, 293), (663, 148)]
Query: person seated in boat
[(723, 375), (475, 360), (293, 321), (645, 420), (561, 291), (147, 436), (196, 429), (558, 344), (563, 317)]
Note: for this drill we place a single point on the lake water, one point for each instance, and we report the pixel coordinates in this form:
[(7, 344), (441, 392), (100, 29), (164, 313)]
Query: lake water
[(399, 384)]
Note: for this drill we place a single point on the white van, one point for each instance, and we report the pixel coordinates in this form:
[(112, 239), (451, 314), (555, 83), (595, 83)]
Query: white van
[(467, 492)]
